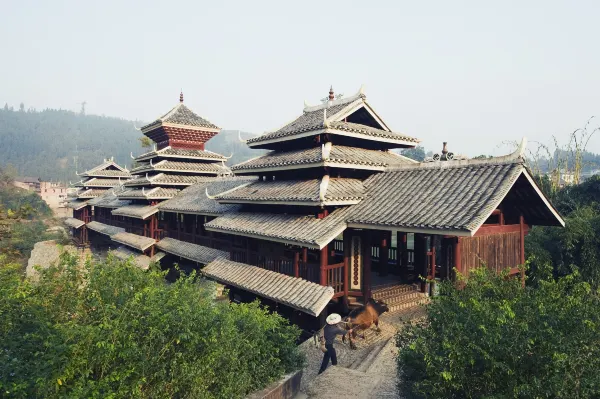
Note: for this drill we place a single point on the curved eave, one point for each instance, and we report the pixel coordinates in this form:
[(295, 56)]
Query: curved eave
[(291, 203), (290, 137), (331, 164)]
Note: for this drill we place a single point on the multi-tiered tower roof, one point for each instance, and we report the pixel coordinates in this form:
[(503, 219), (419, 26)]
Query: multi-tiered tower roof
[(315, 167), (178, 159), (97, 181)]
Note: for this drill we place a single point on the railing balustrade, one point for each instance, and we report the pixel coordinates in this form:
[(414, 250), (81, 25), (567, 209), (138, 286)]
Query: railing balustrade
[(335, 277)]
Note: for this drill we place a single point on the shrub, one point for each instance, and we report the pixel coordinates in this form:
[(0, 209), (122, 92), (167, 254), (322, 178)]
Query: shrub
[(495, 339), (111, 330)]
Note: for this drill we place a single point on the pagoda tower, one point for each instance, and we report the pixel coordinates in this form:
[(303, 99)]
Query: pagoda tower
[(95, 183), (178, 160)]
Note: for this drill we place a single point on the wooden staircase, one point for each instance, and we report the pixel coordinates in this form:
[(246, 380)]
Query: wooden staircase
[(401, 296)]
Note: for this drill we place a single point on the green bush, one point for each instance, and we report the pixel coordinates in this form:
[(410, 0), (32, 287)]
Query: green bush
[(112, 330), (495, 339)]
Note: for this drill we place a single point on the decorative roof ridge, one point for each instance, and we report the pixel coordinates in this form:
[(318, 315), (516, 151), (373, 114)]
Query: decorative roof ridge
[(360, 95), (516, 157), (323, 188), (107, 163)]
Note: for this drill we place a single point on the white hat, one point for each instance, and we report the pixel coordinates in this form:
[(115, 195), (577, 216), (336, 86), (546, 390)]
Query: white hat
[(333, 318)]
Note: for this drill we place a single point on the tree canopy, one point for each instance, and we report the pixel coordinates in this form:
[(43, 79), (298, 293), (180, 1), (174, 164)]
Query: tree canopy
[(109, 329)]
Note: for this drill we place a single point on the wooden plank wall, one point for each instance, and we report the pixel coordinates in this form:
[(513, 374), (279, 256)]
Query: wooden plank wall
[(497, 251)]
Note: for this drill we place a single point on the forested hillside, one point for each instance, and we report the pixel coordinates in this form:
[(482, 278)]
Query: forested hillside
[(53, 144)]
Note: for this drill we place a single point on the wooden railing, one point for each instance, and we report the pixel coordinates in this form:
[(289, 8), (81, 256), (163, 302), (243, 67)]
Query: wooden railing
[(335, 277), (309, 271)]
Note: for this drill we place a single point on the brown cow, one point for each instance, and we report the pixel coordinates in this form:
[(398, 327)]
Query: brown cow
[(363, 317)]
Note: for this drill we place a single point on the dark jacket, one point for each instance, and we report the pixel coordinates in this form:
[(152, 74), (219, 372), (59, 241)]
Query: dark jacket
[(330, 332)]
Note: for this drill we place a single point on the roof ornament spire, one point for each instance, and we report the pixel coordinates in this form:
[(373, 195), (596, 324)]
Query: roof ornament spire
[(331, 96), (181, 96), (323, 188), (326, 150)]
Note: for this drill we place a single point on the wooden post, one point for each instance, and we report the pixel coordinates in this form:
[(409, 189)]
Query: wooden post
[(403, 256), (297, 264), (366, 265), (347, 245), (323, 264), (522, 242), (384, 253), (432, 261), (457, 264)]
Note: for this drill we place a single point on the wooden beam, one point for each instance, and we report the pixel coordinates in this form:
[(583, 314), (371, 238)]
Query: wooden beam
[(297, 264), (522, 242), (498, 229)]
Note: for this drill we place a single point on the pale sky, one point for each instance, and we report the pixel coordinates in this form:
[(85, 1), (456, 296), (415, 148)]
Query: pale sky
[(473, 73)]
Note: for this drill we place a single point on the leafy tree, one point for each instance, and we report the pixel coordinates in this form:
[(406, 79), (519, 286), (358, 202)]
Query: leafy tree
[(112, 330), (417, 153), (145, 142), (495, 339)]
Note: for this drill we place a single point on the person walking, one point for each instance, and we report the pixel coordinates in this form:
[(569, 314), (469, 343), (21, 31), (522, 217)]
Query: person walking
[(330, 331)]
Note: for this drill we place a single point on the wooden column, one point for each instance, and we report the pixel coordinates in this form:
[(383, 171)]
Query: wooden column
[(297, 264), (432, 242), (347, 245), (366, 239), (384, 253), (522, 242), (403, 254), (323, 263), (457, 263)]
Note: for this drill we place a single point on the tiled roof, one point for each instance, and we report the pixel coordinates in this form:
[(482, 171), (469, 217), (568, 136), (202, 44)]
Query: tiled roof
[(184, 167), (136, 211), (109, 199), (105, 229), (153, 193), (108, 173), (169, 152), (181, 115), (193, 252), (133, 240), (301, 230), (294, 292), (107, 168), (331, 117), (298, 192), (96, 182), (194, 200), (76, 204), (452, 196), (91, 193), (166, 179), (338, 156), (140, 260), (75, 223)]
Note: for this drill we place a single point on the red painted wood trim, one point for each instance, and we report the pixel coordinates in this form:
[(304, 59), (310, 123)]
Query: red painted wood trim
[(323, 264), (346, 240), (297, 264), (366, 251)]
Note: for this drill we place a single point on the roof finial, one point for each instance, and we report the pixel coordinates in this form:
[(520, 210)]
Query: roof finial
[(445, 148), (331, 96), (181, 96)]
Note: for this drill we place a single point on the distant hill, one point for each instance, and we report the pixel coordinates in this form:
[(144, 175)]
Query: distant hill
[(52, 144)]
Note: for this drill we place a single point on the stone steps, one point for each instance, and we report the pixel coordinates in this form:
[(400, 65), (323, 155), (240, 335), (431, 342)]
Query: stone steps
[(394, 290)]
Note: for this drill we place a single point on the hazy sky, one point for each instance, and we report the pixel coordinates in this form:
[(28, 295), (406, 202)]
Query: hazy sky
[(463, 72)]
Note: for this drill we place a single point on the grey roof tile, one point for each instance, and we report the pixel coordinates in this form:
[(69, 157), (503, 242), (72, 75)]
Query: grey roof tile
[(184, 167), (194, 200), (302, 230), (308, 297), (140, 260), (193, 252), (313, 157), (105, 229), (152, 193), (297, 192), (444, 196), (99, 182), (74, 223), (136, 211), (181, 115), (133, 240), (163, 179), (181, 153)]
